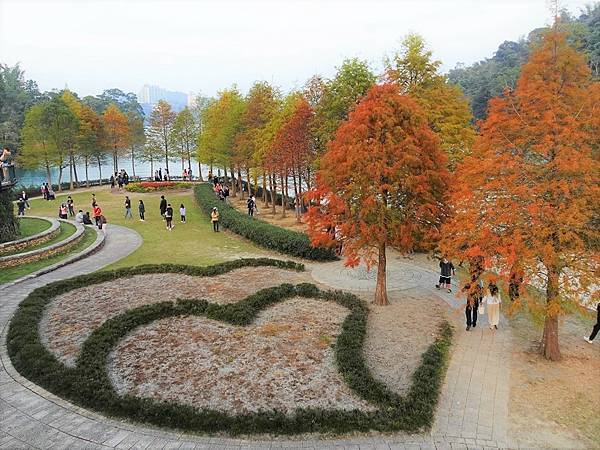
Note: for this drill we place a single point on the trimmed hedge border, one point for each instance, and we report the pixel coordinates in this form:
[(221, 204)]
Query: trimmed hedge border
[(88, 383), (260, 232)]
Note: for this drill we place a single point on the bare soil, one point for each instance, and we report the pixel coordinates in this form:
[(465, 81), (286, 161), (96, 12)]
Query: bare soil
[(267, 215), (555, 404), (398, 334), (284, 360), (70, 318)]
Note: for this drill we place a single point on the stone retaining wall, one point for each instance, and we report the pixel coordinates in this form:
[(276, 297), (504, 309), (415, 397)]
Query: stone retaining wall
[(34, 240), (45, 252)]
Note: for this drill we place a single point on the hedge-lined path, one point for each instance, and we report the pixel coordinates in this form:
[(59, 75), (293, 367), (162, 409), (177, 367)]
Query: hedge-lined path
[(31, 417), (474, 401)]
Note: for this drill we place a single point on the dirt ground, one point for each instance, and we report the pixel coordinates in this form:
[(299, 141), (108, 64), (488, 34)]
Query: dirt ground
[(555, 404), (266, 214), (284, 360)]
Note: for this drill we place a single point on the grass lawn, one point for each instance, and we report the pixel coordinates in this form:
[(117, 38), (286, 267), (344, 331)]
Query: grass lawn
[(66, 230), (28, 226), (191, 243), (12, 273)]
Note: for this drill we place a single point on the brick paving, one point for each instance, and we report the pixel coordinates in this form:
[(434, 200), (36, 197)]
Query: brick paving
[(472, 412)]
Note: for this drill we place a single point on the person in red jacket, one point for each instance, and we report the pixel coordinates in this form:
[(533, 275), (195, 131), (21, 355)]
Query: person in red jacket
[(97, 212)]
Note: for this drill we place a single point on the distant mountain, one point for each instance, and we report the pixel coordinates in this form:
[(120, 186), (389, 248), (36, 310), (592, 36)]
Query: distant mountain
[(488, 78)]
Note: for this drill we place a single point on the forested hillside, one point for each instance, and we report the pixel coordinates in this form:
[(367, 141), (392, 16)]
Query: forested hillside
[(488, 78)]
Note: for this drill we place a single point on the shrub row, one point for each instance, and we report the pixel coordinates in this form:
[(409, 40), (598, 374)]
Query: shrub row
[(88, 383), (260, 232)]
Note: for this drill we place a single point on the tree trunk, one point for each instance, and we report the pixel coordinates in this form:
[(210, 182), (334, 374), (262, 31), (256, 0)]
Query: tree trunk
[(264, 191), (87, 178), (60, 171), (133, 161), (70, 171), (100, 170), (239, 182), (248, 180), (75, 173), (233, 182), (273, 185), (48, 174), (282, 196), (200, 172), (381, 297), (296, 197), (115, 161), (550, 348)]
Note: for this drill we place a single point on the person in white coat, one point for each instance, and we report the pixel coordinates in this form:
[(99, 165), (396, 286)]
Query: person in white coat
[(492, 301)]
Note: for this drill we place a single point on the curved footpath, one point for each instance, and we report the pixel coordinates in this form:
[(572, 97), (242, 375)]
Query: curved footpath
[(471, 414)]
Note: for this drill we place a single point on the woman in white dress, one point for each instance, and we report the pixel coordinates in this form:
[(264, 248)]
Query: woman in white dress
[(492, 301)]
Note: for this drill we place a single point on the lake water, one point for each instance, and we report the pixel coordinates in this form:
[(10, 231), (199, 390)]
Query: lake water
[(26, 177)]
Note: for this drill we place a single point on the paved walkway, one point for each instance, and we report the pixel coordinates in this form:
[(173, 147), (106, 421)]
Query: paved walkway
[(472, 411)]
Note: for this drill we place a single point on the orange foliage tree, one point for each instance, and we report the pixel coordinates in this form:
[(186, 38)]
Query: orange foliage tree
[(292, 148), (115, 132), (525, 198), (382, 181)]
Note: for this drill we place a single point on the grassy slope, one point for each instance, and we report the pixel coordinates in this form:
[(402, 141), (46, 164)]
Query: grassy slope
[(191, 243), (12, 273), (28, 226)]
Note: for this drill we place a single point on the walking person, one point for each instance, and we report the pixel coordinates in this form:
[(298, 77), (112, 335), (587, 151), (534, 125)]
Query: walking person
[(492, 301), (25, 199), (142, 210), (169, 217), (214, 218), (21, 207), (250, 204), (112, 182), (596, 328), (94, 202), (163, 205), (103, 224), (128, 208), (70, 206), (182, 212), (446, 272), (471, 306)]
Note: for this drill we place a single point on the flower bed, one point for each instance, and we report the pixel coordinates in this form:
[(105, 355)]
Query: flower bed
[(262, 233), (89, 385), (154, 186)]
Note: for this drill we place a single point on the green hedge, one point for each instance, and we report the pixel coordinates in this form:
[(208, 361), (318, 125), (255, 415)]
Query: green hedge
[(260, 232), (88, 384)]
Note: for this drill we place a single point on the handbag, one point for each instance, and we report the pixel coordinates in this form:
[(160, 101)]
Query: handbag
[(481, 309)]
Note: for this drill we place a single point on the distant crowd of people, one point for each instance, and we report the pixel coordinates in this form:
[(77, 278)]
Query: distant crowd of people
[(119, 179)]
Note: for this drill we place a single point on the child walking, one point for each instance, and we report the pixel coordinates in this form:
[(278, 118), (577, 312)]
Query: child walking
[(214, 217), (182, 213)]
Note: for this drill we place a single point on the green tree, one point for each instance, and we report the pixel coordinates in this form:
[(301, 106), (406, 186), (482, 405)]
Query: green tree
[(415, 71), (62, 126), (161, 128), (185, 135), (221, 125), (137, 136), (16, 95), (341, 94), (261, 104), (39, 150), (88, 140)]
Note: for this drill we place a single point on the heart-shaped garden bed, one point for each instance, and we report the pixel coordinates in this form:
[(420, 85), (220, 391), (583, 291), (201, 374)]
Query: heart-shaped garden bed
[(89, 382)]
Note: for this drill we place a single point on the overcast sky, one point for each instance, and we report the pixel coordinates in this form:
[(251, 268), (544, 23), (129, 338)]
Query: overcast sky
[(204, 46)]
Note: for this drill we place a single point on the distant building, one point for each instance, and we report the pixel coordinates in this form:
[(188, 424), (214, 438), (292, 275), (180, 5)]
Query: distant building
[(149, 96)]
